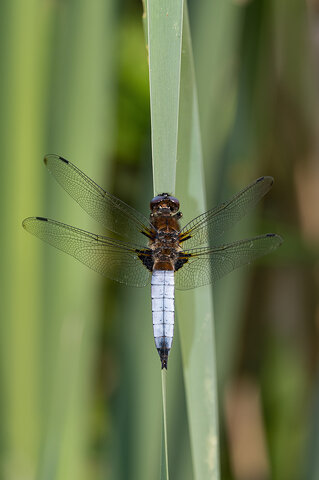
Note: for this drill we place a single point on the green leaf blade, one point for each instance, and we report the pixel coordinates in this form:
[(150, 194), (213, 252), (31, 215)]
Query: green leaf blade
[(164, 44), (195, 307)]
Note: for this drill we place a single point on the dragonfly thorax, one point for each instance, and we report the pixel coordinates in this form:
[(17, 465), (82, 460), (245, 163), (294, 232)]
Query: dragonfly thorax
[(165, 248), (167, 236)]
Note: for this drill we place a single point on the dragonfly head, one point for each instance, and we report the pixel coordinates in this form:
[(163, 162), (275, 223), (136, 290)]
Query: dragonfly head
[(164, 204)]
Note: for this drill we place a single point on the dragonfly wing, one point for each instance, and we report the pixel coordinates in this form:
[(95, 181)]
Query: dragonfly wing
[(111, 212), (116, 260), (207, 265), (215, 222)]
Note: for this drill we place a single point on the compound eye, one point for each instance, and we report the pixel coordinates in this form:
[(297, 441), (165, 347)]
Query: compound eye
[(156, 201), (174, 204)]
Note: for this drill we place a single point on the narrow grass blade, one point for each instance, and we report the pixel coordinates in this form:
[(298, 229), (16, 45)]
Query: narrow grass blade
[(194, 308), (164, 34), (164, 464)]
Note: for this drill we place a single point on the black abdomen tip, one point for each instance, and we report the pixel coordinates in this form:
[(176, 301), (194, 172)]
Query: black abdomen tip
[(163, 353)]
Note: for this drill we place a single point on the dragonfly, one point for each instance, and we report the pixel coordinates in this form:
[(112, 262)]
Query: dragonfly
[(157, 249)]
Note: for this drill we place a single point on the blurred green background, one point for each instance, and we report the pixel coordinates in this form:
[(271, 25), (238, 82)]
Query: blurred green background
[(80, 377)]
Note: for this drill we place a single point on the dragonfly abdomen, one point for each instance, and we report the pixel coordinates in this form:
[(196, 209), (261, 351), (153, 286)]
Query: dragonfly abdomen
[(163, 312)]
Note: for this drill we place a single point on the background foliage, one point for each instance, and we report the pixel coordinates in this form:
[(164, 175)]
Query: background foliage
[(80, 378)]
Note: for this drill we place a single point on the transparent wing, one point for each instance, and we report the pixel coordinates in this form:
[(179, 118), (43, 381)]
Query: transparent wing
[(111, 212), (116, 260), (215, 222), (207, 265)]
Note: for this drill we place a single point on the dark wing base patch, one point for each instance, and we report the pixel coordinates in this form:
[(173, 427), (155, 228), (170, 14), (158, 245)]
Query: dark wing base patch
[(146, 258), (182, 259)]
